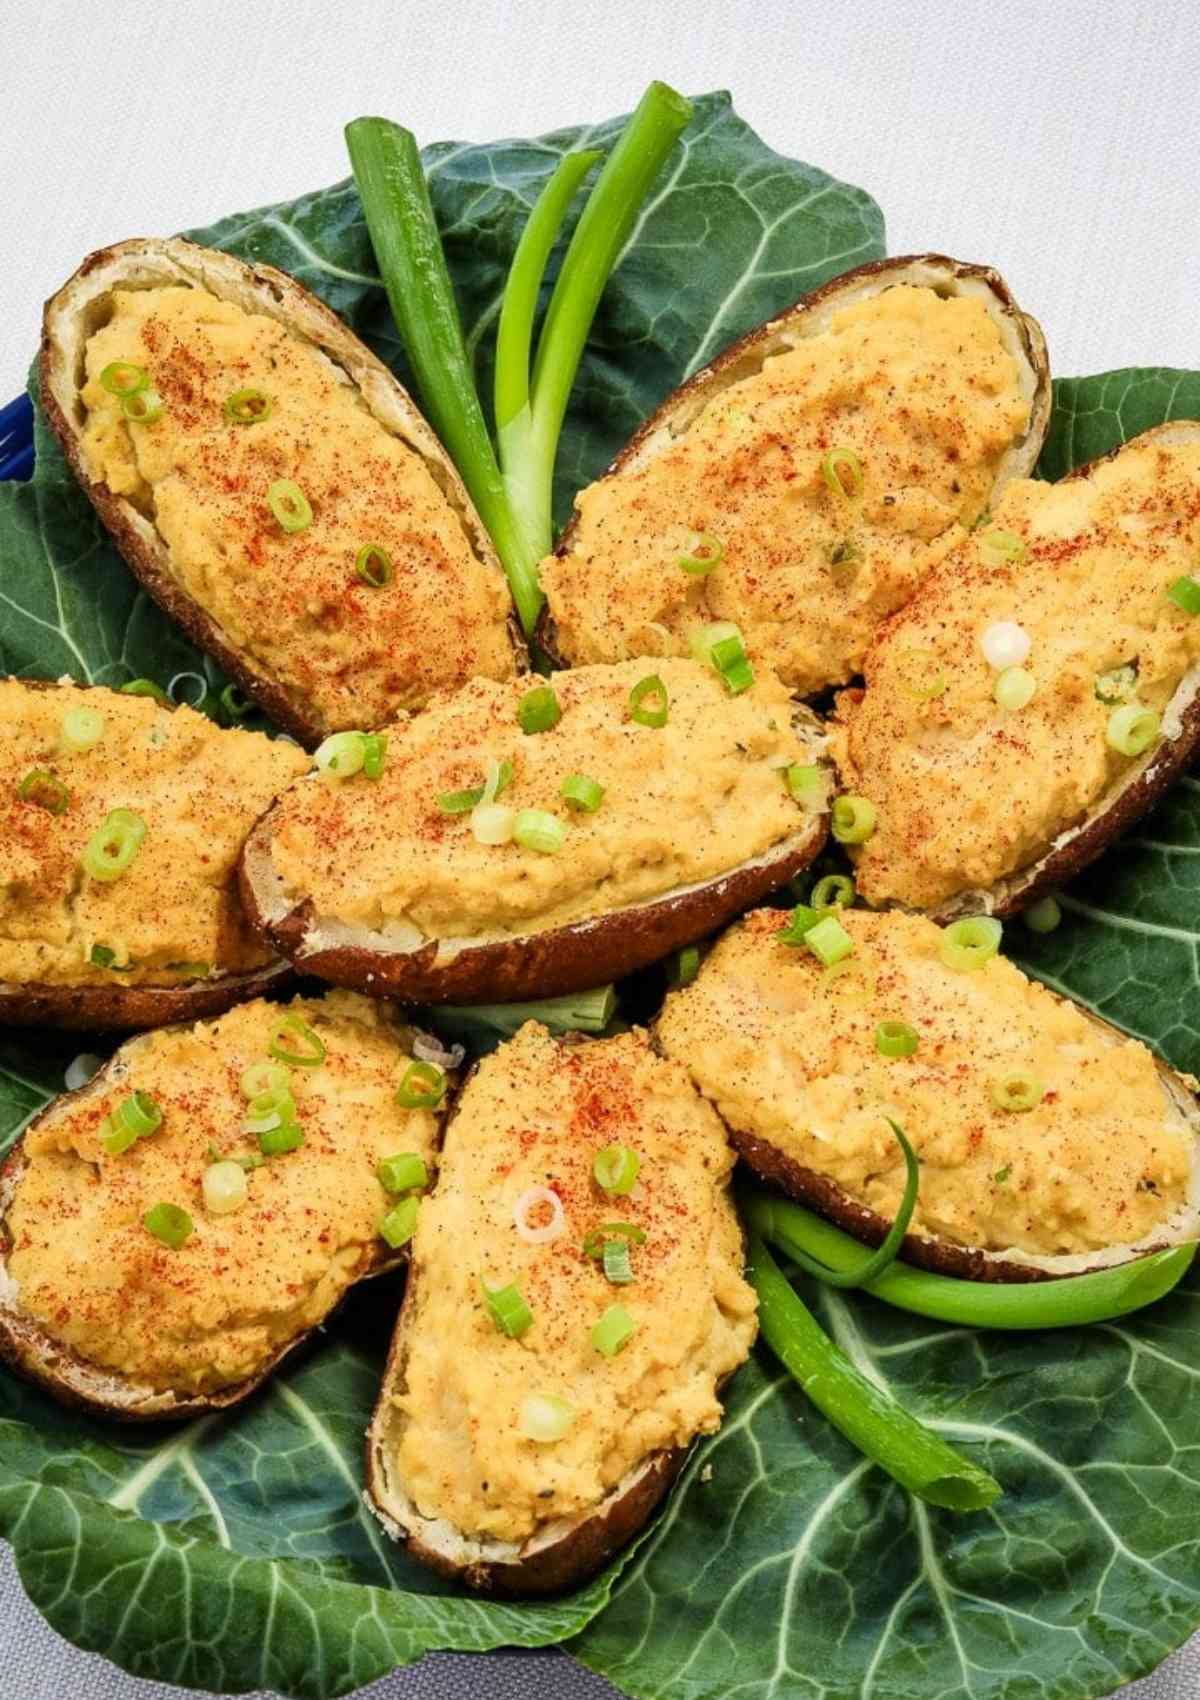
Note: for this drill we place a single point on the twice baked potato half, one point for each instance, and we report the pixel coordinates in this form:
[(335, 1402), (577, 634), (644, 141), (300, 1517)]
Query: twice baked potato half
[(1040, 690), (173, 1229), (1049, 1142), (121, 820), (519, 844), (272, 485), (575, 1301), (805, 482)]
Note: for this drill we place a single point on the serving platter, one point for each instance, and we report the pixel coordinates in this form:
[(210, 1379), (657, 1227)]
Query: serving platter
[(235, 1553)]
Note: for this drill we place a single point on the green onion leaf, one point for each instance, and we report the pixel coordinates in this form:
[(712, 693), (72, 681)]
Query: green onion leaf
[(839, 462), (122, 378), (400, 1223), (704, 553), (596, 1238), (277, 1141), (102, 956), (264, 1077), (374, 754), (143, 407), (45, 790), (829, 941), (116, 1137), (649, 704), (806, 784), (342, 755), (423, 1087), (110, 850), (534, 829), (1043, 916), (225, 1187), (1185, 594), (1132, 729), (82, 729), (248, 407), (313, 1057), (459, 802), (1017, 1092), (402, 1173), (147, 688), (617, 1267), (373, 565), (538, 710), (969, 943), (289, 504), (1118, 684), (140, 1114), (802, 920), (614, 1330), (615, 1169), (896, 1039), (233, 703), (997, 547), (835, 891), (578, 791), (168, 1223), (1014, 688), (683, 967), (853, 820), (507, 1309)]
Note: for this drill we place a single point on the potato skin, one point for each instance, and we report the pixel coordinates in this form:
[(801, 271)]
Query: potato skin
[(268, 290), (731, 364), (113, 1008), (567, 959)]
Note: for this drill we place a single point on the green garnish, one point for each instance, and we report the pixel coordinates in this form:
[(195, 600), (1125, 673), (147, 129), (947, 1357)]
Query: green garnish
[(264, 1077), (801, 921), (82, 729), (400, 1223), (617, 1267), (313, 1057), (1014, 687), (704, 553), (276, 1141), (143, 407), (596, 1239), (507, 1309), (462, 802), (835, 891), (135, 1118), (234, 704), (538, 710), (837, 462), (615, 1169), (721, 646), (997, 547), (46, 790), (579, 791), (649, 704), (1118, 684), (969, 943), (341, 755), (829, 941), (248, 407), (683, 967), (1003, 1175), (373, 565), (1017, 1092), (535, 829), (896, 1039), (1043, 916), (614, 1330), (168, 1223), (1132, 729), (852, 820), (1185, 594), (374, 754), (805, 783), (122, 378), (147, 688), (110, 850), (402, 1173), (423, 1087), (289, 504)]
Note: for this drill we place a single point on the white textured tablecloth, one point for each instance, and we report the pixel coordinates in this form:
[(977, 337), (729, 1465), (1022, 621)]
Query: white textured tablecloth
[(1057, 140)]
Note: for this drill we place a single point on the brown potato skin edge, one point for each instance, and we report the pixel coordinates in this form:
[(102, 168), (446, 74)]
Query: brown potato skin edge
[(712, 377), (567, 959), (285, 710), (113, 1008)]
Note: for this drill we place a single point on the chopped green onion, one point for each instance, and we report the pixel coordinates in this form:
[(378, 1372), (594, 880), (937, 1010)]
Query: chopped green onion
[(423, 1087), (1018, 1091), (683, 967), (1043, 916), (264, 1077), (868, 1416), (342, 755), (277, 1141), (402, 1173), (193, 970), (721, 646), (289, 504), (801, 921), (1068, 1302), (835, 891), (168, 1223), (805, 783), (538, 710), (615, 1169), (313, 1057), (896, 1039), (597, 1238), (374, 754), (545, 1417), (235, 705), (614, 1330), (649, 703), (492, 823), (853, 820), (1002, 1176), (459, 802), (1185, 594), (143, 407), (498, 780), (834, 464), (225, 1187), (617, 1267), (122, 378), (116, 1137), (1014, 688), (996, 547), (829, 941), (140, 1114), (146, 688), (373, 565), (1131, 729), (248, 407), (704, 553), (111, 849), (82, 728), (1117, 685), (102, 956), (969, 943), (400, 1223), (534, 829), (847, 553), (45, 790), (923, 679), (580, 792), (270, 1109), (738, 678), (507, 1309)]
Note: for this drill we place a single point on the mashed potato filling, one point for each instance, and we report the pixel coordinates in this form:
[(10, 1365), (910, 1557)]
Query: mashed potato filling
[(174, 914), (213, 1312), (683, 803), (292, 601), (787, 1052), (920, 388), (535, 1114), (968, 791)]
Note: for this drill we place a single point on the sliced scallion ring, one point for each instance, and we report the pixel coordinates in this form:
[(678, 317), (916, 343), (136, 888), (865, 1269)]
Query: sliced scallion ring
[(507, 1309), (1185, 594), (853, 819), (373, 565), (315, 1054), (1117, 685), (82, 729), (969, 943), (110, 851), (248, 407), (146, 688), (596, 1238), (538, 710), (579, 791), (922, 679), (1014, 688), (800, 923), (235, 705), (806, 784), (896, 1039), (649, 704), (225, 1187), (169, 1224), (400, 1223), (1043, 916), (143, 407), (1017, 1092), (535, 829), (615, 1169), (1131, 729), (140, 1114), (546, 1418), (422, 1088), (342, 755), (835, 891), (374, 754), (829, 941), (704, 552), (264, 1077), (492, 823), (997, 547), (277, 1141), (722, 647), (122, 378), (613, 1331), (617, 1267), (289, 505), (838, 462), (45, 790), (403, 1173)]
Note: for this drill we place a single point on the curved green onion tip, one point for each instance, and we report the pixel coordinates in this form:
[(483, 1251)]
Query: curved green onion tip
[(1072, 1301), (866, 1413)]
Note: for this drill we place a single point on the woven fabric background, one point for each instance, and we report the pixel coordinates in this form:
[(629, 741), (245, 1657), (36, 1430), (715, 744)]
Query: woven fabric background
[(1058, 142)]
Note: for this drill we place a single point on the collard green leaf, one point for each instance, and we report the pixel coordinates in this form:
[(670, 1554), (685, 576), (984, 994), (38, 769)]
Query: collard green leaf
[(236, 1553), (1093, 415)]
